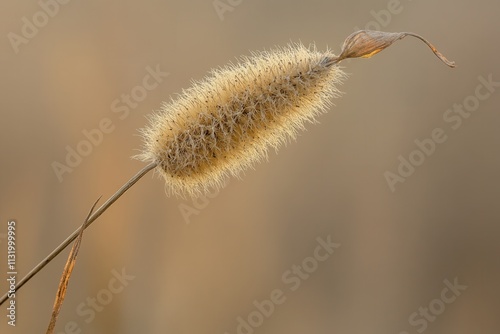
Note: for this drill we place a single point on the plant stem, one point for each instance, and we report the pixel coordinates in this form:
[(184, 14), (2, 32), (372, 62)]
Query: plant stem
[(91, 219)]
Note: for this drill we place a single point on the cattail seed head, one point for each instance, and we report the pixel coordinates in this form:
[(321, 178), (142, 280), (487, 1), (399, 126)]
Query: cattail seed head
[(225, 123)]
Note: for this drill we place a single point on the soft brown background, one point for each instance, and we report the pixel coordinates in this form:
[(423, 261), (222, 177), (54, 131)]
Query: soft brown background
[(396, 248)]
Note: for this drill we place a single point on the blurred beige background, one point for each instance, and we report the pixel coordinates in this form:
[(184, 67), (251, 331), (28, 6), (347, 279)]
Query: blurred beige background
[(397, 248)]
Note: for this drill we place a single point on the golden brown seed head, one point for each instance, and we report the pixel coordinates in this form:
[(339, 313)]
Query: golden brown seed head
[(226, 122)]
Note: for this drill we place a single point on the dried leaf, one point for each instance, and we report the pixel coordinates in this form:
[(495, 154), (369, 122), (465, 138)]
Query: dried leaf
[(68, 269), (366, 43)]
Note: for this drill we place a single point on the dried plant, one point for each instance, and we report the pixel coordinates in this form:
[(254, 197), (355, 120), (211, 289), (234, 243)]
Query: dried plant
[(228, 121)]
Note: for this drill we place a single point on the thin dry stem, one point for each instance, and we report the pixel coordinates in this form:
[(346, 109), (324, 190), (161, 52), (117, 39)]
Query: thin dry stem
[(92, 218)]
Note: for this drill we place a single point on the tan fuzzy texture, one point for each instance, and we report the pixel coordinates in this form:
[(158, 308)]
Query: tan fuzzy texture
[(226, 123)]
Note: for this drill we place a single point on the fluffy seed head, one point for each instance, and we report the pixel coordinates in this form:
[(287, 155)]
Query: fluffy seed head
[(226, 122)]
